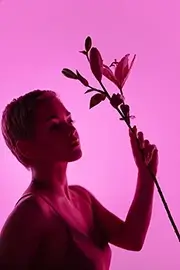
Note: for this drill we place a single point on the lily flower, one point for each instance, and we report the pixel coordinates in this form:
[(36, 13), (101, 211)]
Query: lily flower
[(121, 72)]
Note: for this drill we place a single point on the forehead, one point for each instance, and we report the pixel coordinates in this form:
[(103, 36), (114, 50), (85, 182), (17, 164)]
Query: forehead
[(50, 107)]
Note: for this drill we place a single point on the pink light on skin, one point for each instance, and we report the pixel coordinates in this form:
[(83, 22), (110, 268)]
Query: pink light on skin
[(38, 38)]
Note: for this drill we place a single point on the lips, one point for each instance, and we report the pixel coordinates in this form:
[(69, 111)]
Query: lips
[(75, 142), (74, 138)]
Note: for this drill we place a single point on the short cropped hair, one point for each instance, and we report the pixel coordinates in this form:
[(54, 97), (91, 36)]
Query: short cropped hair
[(18, 120)]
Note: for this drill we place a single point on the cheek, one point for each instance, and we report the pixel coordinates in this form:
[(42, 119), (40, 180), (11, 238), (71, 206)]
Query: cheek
[(56, 143), (52, 142)]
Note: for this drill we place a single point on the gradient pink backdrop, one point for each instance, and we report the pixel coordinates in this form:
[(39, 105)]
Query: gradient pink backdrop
[(40, 37)]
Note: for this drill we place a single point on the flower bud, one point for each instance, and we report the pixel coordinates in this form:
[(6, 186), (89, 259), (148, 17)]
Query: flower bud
[(96, 63), (116, 100), (69, 73), (88, 44)]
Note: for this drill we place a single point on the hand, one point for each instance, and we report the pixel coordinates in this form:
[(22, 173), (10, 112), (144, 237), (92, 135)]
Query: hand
[(150, 152)]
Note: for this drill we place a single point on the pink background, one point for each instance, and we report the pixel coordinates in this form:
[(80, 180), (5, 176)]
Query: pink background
[(40, 37)]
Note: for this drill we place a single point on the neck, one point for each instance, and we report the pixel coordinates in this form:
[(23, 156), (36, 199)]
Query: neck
[(51, 179)]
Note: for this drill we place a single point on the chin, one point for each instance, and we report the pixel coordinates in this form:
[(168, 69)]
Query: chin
[(75, 155)]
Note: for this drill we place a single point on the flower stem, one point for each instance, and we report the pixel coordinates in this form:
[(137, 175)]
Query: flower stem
[(96, 90), (87, 56), (151, 173), (105, 91)]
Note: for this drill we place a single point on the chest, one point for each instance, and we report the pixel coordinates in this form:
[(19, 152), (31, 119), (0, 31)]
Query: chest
[(74, 244), (72, 226), (77, 214)]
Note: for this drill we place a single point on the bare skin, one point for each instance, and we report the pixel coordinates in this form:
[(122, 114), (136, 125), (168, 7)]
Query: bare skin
[(76, 211), (49, 154)]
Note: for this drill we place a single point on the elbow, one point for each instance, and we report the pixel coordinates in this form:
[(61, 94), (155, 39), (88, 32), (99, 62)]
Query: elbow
[(137, 244), (137, 247), (134, 244), (134, 240), (128, 240), (129, 244)]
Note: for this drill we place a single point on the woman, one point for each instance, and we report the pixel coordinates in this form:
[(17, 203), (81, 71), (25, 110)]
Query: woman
[(53, 225)]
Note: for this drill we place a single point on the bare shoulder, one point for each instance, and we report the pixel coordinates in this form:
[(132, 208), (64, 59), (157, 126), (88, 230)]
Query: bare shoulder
[(21, 233), (23, 213), (24, 223)]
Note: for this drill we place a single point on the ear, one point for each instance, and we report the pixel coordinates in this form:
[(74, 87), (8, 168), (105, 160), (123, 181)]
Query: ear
[(24, 148)]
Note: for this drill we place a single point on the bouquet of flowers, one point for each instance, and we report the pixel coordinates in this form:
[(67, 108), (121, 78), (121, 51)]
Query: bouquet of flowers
[(117, 73)]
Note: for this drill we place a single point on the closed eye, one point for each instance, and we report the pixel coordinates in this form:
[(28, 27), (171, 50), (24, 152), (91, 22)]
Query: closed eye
[(55, 126), (58, 125)]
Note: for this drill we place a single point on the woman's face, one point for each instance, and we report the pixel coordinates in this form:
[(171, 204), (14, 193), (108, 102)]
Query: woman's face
[(56, 139)]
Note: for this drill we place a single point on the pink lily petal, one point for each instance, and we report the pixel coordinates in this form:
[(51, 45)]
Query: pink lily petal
[(132, 62), (107, 72), (128, 72), (121, 69)]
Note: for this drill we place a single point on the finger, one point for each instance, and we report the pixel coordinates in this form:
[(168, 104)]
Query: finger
[(151, 152), (146, 143), (141, 139), (154, 151), (149, 149), (154, 160), (133, 132), (153, 147), (156, 157)]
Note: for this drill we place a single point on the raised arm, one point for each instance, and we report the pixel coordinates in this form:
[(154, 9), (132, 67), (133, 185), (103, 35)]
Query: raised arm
[(130, 234)]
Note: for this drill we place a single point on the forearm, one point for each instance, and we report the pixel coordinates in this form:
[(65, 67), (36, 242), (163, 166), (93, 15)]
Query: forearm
[(139, 215)]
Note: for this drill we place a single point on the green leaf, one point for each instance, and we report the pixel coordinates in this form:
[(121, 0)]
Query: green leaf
[(83, 52), (94, 90), (69, 73), (96, 99), (88, 44), (89, 90)]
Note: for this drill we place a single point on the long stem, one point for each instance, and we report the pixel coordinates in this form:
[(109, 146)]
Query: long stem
[(151, 173), (105, 91)]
